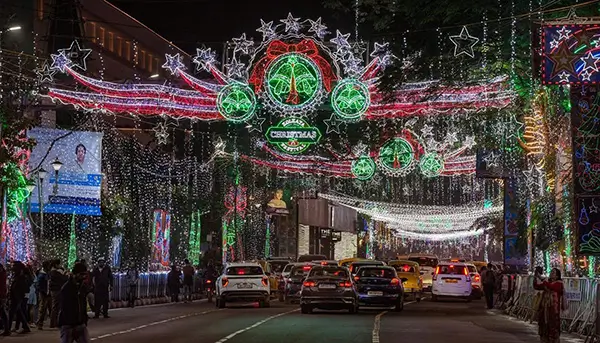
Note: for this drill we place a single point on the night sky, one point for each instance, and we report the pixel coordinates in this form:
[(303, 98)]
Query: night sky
[(192, 23)]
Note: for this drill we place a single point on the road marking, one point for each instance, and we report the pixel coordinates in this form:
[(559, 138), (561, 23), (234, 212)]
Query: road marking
[(152, 324), (226, 338), (377, 324)]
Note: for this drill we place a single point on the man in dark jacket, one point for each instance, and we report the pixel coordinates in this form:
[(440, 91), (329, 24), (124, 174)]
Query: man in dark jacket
[(73, 308), (489, 284), (188, 281), (102, 280), (57, 280), (43, 292), (18, 288)]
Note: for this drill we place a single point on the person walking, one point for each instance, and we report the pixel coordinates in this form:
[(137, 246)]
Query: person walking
[(133, 276), (57, 280), (4, 300), (89, 285), (43, 292), (489, 285), (174, 283), (18, 288), (188, 281), (551, 304), (102, 279), (73, 317), (32, 299)]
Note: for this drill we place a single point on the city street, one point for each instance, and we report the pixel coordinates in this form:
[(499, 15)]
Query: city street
[(201, 322)]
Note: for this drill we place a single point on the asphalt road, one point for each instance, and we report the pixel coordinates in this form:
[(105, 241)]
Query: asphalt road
[(422, 322)]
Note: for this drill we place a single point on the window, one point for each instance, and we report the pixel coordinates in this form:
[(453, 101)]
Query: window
[(91, 31), (111, 42), (150, 62), (329, 271), (120, 46), (300, 270), (385, 273), (425, 261), (452, 270), (101, 38), (40, 9), (128, 50), (244, 270), (142, 58)]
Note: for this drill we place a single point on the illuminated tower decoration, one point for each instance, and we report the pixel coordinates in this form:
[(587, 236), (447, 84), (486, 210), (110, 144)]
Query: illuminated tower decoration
[(195, 237), (235, 202), (72, 255), (161, 238)]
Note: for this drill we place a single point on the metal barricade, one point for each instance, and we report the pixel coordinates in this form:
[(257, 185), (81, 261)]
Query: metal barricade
[(150, 285)]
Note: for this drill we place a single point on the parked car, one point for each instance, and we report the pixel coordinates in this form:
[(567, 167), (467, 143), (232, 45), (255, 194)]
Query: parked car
[(379, 286), (308, 258), (354, 266), (347, 261), (328, 288), (293, 284), (451, 280), (409, 270), (243, 282), (477, 289), (427, 264)]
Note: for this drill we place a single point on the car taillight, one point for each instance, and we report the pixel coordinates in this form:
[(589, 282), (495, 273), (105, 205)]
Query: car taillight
[(477, 278), (308, 284), (468, 277), (346, 284), (323, 263), (208, 281), (224, 282), (395, 281), (437, 271), (265, 281), (306, 268), (356, 278)]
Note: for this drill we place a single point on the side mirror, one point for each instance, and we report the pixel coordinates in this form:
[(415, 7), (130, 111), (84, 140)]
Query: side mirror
[(404, 280)]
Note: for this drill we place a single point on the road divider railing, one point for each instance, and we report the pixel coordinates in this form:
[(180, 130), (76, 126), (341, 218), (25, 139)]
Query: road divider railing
[(580, 293)]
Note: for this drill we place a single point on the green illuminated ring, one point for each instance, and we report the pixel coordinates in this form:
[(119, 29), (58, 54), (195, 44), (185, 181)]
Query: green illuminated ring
[(363, 168), (396, 149), (431, 164), (345, 102), (236, 102), (312, 98)]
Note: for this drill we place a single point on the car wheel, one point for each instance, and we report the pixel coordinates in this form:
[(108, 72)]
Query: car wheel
[(306, 309), (400, 305), (220, 303), (267, 303)]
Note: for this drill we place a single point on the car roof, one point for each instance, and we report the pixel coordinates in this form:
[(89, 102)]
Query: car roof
[(377, 267), (407, 262), (369, 262), (448, 263)]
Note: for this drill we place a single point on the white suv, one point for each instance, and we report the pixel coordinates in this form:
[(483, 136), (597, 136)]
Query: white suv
[(243, 282), (451, 280)]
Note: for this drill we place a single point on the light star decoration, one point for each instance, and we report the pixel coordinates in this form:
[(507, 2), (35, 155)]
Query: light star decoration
[(242, 44), (173, 63), (291, 24), (333, 124), (205, 59), (77, 55), (318, 28), (45, 74), (255, 124), (161, 133), (341, 41), (235, 68), (60, 62), (464, 43), (382, 52), (267, 30)]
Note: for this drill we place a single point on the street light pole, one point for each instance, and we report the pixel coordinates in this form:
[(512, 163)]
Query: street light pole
[(41, 176)]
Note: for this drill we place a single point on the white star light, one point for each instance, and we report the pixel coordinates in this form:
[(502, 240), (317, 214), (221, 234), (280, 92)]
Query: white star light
[(219, 146), (255, 124), (464, 43), (318, 28), (205, 59), (593, 208), (564, 76), (333, 124), (590, 61), (267, 30), (563, 33), (173, 63), (427, 130), (586, 75), (491, 160), (60, 62), (45, 74), (77, 55), (352, 65), (161, 133), (291, 24), (469, 142), (242, 44), (451, 139), (382, 52), (235, 68), (554, 44), (341, 41)]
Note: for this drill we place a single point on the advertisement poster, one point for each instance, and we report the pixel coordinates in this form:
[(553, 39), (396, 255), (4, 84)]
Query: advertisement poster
[(78, 186), (513, 256)]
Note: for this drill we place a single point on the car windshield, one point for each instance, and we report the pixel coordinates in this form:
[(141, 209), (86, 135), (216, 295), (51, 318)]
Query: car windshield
[(377, 272), (287, 268), (425, 261), (300, 270), (451, 270), (355, 266), (328, 271), (308, 258), (472, 269), (404, 268), (244, 270), (277, 266)]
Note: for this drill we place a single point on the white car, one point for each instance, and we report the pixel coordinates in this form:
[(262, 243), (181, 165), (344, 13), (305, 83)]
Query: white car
[(243, 282), (451, 280), (477, 289)]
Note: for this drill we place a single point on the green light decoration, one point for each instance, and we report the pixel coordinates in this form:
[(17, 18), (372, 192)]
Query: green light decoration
[(195, 238), (396, 156), (17, 192), (591, 266), (431, 164), (236, 102), (293, 81), (293, 135), (487, 203), (363, 168), (72, 257), (350, 99)]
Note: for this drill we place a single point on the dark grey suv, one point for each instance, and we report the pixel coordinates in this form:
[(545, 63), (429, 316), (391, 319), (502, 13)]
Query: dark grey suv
[(328, 288)]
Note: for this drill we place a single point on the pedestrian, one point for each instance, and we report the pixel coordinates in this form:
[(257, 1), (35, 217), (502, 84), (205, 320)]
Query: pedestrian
[(188, 280), (489, 284), (4, 300), (538, 279), (18, 288), (102, 279), (174, 283), (549, 309), (57, 280), (133, 277), (32, 300), (89, 285), (73, 317), (43, 292)]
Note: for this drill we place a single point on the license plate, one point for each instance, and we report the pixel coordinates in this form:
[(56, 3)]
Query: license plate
[(244, 285), (451, 281), (327, 286), (375, 293)]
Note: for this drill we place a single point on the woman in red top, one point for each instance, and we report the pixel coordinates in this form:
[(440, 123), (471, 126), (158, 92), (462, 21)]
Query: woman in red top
[(550, 307)]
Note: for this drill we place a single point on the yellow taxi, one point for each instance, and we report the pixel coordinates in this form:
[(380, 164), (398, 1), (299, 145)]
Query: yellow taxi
[(346, 262), (409, 270), (479, 264), (273, 282)]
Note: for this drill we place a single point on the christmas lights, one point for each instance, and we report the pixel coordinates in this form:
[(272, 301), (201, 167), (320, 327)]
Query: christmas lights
[(464, 43)]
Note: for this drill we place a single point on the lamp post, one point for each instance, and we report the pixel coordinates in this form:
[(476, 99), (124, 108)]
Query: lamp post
[(42, 173), (56, 165)]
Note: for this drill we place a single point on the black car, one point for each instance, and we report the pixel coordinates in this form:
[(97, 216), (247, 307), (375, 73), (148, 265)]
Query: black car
[(293, 284), (355, 266), (328, 288), (379, 286)]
